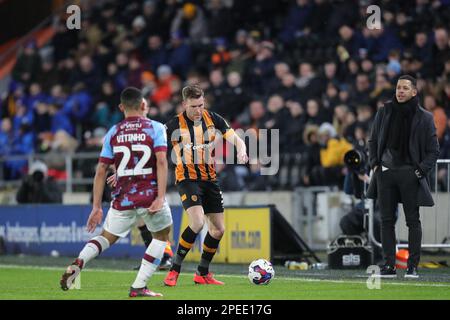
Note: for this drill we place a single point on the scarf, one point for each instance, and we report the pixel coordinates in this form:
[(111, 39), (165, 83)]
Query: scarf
[(400, 126)]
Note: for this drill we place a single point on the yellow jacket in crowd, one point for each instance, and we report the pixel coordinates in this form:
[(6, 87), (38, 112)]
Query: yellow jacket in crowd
[(333, 154)]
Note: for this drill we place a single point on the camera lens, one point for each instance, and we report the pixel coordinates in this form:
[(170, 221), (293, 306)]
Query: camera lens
[(38, 176)]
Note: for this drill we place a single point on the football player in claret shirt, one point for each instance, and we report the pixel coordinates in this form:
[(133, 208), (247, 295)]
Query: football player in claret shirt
[(193, 134), (137, 147), (146, 235)]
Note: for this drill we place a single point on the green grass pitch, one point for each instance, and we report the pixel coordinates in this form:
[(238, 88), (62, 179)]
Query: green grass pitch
[(23, 282)]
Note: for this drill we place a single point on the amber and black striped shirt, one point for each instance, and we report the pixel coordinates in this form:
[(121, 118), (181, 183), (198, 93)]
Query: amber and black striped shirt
[(193, 145)]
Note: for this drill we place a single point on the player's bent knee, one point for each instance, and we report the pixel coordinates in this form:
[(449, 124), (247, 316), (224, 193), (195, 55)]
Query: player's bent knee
[(110, 237), (217, 232), (196, 212), (196, 218), (197, 226), (162, 235)]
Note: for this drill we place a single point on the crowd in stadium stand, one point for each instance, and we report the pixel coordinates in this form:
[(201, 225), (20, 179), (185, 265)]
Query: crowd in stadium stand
[(310, 68)]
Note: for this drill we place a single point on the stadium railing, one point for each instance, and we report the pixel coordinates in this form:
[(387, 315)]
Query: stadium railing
[(307, 217), (66, 159), (440, 219)]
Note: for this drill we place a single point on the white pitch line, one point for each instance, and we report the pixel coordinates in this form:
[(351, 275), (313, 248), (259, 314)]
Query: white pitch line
[(299, 279), (10, 266)]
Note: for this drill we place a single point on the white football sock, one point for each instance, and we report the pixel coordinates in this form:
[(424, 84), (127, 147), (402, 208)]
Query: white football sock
[(93, 248), (150, 262)]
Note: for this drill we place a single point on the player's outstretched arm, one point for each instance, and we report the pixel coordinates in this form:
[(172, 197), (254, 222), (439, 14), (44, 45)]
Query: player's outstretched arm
[(161, 174), (233, 138), (95, 218)]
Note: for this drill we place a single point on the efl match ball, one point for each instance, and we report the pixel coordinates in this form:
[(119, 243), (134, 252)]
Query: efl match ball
[(260, 271)]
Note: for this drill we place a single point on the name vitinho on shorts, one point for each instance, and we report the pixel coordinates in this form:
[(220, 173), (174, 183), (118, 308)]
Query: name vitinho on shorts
[(132, 137)]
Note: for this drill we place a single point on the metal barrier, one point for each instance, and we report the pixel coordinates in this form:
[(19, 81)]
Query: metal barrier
[(288, 177), (305, 212), (439, 198), (68, 160)]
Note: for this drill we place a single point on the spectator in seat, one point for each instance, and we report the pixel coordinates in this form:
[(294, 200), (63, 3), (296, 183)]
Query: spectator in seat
[(28, 65), (281, 69), (240, 52), (288, 89), (78, 103), (163, 91), (180, 57), (381, 42), (361, 93), (155, 53), (6, 137), (313, 112), (191, 21), (351, 40), (88, 73), (295, 125), (332, 154), (49, 76), (138, 31), (441, 50), (340, 118), (309, 84), (422, 47), (216, 90), (311, 169), (445, 97), (331, 98), (235, 97), (255, 117), (220, 22), (221, 55), (440, 118), (261, 70), (151, 15), (295, 21), (134, 72)]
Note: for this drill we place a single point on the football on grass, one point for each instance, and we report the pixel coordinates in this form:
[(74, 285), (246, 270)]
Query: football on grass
[(260, 272)]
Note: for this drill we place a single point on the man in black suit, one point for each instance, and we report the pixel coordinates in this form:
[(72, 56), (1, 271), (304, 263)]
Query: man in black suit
[(403, 148)]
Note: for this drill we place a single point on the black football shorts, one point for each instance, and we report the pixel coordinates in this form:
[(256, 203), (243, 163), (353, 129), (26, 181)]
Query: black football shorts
[(201, 193)]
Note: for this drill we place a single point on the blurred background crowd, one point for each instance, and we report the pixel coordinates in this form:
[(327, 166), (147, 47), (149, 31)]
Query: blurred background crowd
[(310, 68)]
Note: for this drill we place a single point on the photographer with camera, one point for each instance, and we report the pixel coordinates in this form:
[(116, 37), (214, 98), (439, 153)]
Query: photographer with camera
[(357, 163), (37, 187)]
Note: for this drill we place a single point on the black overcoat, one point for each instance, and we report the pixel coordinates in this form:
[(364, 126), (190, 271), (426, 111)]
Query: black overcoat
[(423, 148)]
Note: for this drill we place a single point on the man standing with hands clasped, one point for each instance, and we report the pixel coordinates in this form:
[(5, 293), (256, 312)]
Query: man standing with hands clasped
[(403, 148)]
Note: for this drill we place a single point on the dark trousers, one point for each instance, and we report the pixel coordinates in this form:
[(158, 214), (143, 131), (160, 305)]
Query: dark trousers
[(395, 186)]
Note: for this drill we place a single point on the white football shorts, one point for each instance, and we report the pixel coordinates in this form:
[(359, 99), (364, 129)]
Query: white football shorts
[(119, 223)]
